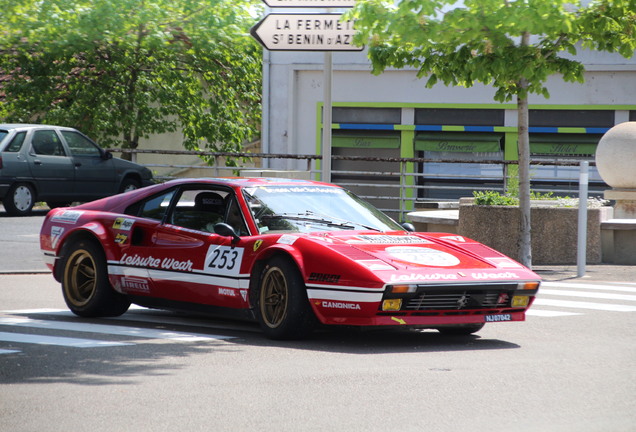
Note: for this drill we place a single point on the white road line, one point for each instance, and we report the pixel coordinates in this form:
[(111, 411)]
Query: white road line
[(8, 351), (548, 313), (620, 288), (584, 305), (59, 341), (588, 294), (108, 329)]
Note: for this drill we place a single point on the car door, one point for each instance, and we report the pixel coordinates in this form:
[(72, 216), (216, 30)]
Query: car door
[(95, 175), (189, 262), (52, 168)]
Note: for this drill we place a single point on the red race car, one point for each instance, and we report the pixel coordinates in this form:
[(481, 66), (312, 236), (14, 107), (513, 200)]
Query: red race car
[(291, 254)]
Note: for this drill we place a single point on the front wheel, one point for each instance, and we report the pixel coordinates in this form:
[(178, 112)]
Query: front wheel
[(85, 286), (19, 200), (282, 308)]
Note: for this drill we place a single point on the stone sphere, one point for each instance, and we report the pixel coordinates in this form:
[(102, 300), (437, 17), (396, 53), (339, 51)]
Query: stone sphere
[(616, 156)]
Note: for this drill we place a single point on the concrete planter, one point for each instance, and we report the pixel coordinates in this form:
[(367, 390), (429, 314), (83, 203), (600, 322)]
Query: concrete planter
[(554, 231)]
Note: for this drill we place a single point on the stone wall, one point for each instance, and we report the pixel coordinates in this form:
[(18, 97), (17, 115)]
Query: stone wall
[(554, 231)]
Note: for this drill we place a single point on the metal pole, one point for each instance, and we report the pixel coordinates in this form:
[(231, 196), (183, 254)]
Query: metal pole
[(581, 250), (326, 118)]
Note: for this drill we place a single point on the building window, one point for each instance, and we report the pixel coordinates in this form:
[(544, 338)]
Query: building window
[(367, 115), (572, 118), (462, 117)]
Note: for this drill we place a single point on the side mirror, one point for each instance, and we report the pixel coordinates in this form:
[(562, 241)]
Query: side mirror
[(408, 227), (227, 231), (106, 155)]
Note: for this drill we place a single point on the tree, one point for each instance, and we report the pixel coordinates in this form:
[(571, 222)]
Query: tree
[(121, 70), (513, 45)]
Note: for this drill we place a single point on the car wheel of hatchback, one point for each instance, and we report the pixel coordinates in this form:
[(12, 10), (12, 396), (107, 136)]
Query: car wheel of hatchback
[(19, 200)]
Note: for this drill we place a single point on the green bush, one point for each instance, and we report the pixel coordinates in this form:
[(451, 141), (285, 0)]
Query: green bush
[(494, 198)]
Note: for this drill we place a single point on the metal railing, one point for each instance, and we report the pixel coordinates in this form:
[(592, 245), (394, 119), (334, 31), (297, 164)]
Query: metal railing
[(393, 191)]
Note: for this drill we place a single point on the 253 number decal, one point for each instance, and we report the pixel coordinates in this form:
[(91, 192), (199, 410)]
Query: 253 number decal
[(223, 260)]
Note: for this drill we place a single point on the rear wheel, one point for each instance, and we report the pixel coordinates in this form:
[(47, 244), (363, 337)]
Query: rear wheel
[(282, 308), (19, 200), (461, 329), (87, 291)]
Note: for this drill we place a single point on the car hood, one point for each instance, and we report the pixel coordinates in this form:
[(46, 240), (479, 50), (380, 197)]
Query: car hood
[(414, 257)]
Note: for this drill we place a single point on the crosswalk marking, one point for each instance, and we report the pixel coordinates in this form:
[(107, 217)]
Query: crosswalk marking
[(108, 329), (590, 294), (620, 287), (57, 340), (585, 305)]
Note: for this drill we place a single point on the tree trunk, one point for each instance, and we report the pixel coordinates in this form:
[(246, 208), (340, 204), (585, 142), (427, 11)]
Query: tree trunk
[(525, 246)]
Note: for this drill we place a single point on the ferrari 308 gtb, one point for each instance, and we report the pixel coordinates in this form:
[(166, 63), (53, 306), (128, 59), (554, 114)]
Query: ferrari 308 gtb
[(290, 254)]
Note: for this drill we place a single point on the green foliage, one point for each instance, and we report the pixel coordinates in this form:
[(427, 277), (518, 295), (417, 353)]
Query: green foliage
[(480, 42), (492, 198), (120, 70)]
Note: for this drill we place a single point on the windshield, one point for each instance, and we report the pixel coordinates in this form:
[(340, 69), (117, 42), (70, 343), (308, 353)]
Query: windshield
[(313, 208)]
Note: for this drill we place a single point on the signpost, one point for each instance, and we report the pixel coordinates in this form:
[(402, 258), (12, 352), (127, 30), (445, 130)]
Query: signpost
[(305, 32), (310, 32)]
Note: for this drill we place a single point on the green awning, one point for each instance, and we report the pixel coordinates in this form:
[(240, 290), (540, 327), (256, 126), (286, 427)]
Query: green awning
[(459, 142), (366, 141), (563, 144)]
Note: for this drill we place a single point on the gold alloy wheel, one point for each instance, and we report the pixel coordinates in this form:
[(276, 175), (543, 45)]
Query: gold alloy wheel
[(80, 278), (274, 297)]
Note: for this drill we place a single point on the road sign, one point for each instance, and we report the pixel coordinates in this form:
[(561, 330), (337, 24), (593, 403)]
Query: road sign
[(310, 3), (305, 32)]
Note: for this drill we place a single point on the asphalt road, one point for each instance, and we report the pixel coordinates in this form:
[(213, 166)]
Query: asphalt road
[(569, 367), (564, 369)]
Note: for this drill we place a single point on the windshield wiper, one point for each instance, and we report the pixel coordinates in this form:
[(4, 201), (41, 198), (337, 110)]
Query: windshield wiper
[(311, 216), (308, 217)]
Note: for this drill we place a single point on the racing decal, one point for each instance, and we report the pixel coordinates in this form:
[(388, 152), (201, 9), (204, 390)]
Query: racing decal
[(324, 277), (398, 320), (257, 244), (423, 256), (123, 224), (121, 238), (223, 260), (504, 262), (498, 318), (243, 294), (339, 305), (375, 265), (287, 239), (67, 216), (458, 239), (134, 284), (345, 294), (388, 239), (504, 275), (414, 277), (227, 292), (150, 261), (56, 233)]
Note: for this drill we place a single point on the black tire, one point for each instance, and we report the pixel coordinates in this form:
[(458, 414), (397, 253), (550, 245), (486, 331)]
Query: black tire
[(85, 286), (129, 184), (461, 329), (282, 307), (20, 199)]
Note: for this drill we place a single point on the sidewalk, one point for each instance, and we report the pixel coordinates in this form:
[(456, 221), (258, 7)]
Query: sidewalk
[(593, 272)]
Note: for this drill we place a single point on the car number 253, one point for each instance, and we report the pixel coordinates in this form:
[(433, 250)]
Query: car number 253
[(223, 260)]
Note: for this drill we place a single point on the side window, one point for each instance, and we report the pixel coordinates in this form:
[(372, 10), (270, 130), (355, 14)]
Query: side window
[(235, 218), (79, 144), (200, 209), (16, 143), (47, 143), (152, 208)]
